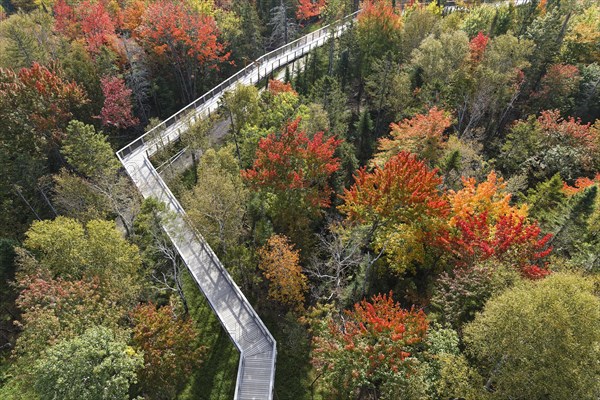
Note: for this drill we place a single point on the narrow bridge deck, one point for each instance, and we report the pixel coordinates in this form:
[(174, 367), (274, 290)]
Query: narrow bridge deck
[(256, 372)]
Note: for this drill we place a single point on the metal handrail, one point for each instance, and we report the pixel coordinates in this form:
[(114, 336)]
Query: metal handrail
[(170, 197), (231, 82)]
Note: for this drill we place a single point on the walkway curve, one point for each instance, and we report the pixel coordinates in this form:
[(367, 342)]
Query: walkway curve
[(258, 351)]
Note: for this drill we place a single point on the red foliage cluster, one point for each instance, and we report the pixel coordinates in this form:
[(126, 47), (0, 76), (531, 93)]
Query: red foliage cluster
[(477, 45), (568, 131), (88, 20), (309, 8), (509, 238), (380, 11), (50, 98), (375, 337), (117, 103), (276, 86), (170, 29), (560, 82), (292, 161)]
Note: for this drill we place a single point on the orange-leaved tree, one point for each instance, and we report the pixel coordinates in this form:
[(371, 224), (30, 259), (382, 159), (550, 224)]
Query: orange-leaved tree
[(484, 225), (279, 262), (309, 8), (359, 351), (293, 171), (184, 39), (404, 205), (171, 350), (421, 134)]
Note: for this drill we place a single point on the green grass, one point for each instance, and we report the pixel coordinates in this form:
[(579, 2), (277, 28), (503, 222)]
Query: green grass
[(215, 379)]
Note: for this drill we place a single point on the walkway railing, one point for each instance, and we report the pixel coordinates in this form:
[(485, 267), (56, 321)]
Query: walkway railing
[(256, 355), (251, 74)]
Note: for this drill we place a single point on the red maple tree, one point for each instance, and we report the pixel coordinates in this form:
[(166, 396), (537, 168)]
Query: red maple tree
[(309, 8), (116, 110), (370, 342), (477, 45), (293, 163), (50, 100), (509, 238), (276, 86)]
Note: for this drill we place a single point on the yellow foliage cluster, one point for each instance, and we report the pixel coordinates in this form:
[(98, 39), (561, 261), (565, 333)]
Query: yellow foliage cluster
[(280, 264)]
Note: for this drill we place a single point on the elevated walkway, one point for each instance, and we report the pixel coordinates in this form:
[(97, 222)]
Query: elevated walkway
[(258, 351)]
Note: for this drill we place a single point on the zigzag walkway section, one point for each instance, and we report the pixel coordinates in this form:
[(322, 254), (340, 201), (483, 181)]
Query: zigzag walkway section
[(256, 372), (258, 351)]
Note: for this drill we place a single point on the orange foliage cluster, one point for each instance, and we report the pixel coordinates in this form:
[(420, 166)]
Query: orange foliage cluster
[(568, 131), (470, 225), (405, 189), (51, 98), (580, 184), (373, 339), (88, 20), (309, 8), (488, 196), (279, 262), (276, 86), (169, 345), (172, 30), (421, 134), (382, 14), (293, 162)]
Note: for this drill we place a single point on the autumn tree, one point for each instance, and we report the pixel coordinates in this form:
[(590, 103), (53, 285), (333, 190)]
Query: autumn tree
[(170, 347), (402, 203), (309, 8), (35, 106), (116, 111), (541, 147), (66, 248), (187, 41), (557, 88), (378, 31), (539, 340), (485, 225), (366, 348), (95, 365), (279, 262), (295, 170), (87, 20), (421, 135), (57, 309)]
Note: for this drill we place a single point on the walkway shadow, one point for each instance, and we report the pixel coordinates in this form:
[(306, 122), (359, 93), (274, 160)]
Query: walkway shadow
[(215, 379)]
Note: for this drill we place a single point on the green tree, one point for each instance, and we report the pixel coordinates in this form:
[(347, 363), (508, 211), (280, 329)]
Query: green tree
[(217, 205), (243, 109), (96, 190), (97, 365), (66, 248), (539, 340)]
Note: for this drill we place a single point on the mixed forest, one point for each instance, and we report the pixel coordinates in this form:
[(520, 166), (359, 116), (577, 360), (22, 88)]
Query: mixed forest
[(412, 208)]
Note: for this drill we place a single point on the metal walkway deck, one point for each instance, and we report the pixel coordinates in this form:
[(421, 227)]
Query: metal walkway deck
[(256, 372)]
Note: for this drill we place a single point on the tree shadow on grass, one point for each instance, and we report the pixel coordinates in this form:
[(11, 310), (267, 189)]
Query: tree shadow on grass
[(216, 378)]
